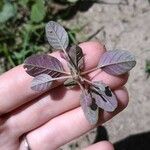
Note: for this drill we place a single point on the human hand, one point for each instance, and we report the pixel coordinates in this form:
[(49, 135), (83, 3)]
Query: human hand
[(52, 119)]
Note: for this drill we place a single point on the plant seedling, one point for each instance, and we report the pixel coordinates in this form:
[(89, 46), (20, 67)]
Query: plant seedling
[(95, 95)]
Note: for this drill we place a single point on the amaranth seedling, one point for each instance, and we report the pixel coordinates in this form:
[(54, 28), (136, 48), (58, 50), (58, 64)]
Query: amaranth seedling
[(95, 95)]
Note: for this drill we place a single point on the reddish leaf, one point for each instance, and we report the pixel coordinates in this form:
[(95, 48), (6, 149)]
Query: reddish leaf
[(76, 57), (90, 109), (104, 99), (62, 55), (41, 82), (56, 35), (43, 64), (117, 62)]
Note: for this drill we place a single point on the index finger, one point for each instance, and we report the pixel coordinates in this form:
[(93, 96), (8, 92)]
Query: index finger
[(15, 84)]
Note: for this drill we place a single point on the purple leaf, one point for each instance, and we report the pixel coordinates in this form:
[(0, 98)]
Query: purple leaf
[(76, 57), (90, 109), (87, 99), (100, 85), (43, 64), (41, 82), (104, 99), (62, 55), (117, 62), (56, 35)]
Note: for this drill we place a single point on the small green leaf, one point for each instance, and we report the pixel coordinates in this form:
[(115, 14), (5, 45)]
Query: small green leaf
[(8, 11), (38, 11), (70, 83), (23, 2), (147, 67), (72, 1)]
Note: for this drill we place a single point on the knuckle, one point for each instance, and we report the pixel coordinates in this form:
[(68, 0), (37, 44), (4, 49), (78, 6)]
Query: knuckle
[(6, 136), (6, 127), (3, 126)]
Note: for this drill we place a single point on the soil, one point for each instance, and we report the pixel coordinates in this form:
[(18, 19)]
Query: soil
[(121, 26)]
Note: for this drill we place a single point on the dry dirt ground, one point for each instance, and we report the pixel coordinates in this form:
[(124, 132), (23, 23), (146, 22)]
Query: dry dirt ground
[(124, 26)]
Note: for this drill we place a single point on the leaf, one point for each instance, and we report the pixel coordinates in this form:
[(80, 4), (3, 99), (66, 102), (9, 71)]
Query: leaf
[(23, 2), (56, 35), (90, 109), (8, 11), (70, 83), (104, 99), (72, 1), (43, 64), (38, 11), (117, 62), (76, 57), (41, 82), (63, 56), (100, 85)]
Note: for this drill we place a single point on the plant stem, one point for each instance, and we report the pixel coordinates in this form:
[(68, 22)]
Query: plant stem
[(60, 78), (40, 26), (72, 38), (89, 71), (67, 73), (82, 88), (88, 81), (8, 56)]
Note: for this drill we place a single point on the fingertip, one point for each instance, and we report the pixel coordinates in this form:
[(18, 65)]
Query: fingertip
[(92, 51), (123, 97), (114, 82), (94, 45)]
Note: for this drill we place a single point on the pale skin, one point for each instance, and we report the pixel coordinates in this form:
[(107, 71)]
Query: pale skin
[(54, 118)]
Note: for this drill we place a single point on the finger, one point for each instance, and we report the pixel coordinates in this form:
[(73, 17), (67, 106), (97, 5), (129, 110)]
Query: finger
[(103, 145), (15, 84), (51, 105), (69, 126)]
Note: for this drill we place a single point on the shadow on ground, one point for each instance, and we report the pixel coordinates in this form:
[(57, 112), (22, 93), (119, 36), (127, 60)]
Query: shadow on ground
[(81, 6), (139, 141), (71, 9)]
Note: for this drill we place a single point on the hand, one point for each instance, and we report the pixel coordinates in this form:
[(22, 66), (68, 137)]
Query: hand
[(51, 119)]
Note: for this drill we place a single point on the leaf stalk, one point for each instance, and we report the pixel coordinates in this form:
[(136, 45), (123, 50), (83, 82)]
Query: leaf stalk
[(61, 78), (89, 71)]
